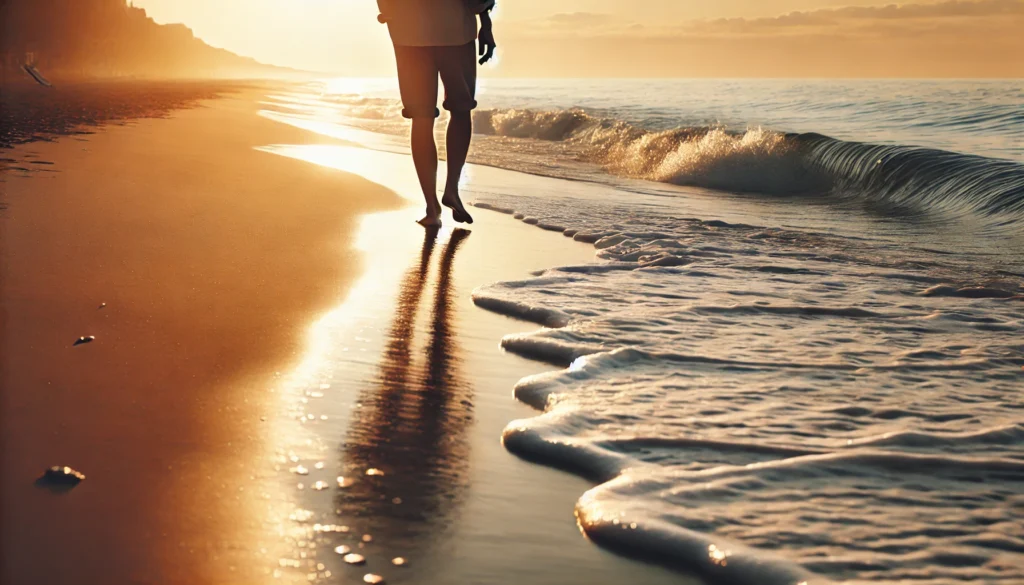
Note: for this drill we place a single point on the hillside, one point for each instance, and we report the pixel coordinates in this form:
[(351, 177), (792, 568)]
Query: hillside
[(75, 39)]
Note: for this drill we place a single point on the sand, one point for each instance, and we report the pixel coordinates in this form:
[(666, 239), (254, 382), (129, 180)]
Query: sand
[(212, 258), (468, 510), (259, 316), (29, 111)]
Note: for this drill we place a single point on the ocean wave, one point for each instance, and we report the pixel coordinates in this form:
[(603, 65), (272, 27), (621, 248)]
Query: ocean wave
[(774, 163), (891, 178), (918, 177)]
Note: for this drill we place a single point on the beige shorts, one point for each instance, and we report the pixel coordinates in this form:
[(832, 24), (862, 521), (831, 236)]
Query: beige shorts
[(419, 69)]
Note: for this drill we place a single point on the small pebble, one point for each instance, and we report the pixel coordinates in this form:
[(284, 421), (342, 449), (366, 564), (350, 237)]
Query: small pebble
[(354, 559), (367, 538), (342, 550), (374, 471), (85, 339), (102, 305), (62, 476), (373, 579), (398, 561)]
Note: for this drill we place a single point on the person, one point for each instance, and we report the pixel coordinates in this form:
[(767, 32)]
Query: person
[(432, 39)]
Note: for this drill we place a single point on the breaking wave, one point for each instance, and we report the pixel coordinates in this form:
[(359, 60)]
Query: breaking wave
[(774, 163)]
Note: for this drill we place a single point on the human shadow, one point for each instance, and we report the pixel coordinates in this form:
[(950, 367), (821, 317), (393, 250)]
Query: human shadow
[(405, 458)]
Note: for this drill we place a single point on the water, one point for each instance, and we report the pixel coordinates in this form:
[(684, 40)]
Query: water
[(798, 357)]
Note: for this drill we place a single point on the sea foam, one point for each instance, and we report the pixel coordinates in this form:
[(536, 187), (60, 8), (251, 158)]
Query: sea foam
[(760, 405)]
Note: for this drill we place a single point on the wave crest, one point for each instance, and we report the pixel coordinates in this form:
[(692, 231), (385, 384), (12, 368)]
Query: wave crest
[(774, 163)]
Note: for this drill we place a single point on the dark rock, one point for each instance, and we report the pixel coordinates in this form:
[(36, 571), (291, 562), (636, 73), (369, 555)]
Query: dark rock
[(60, 478)]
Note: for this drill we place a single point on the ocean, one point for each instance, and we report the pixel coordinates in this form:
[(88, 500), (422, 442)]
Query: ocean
[(797, 355)]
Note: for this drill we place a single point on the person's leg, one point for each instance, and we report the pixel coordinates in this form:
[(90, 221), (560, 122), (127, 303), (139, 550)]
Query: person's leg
[(424, 157), (457, 67), (417, 82), (460, 132)]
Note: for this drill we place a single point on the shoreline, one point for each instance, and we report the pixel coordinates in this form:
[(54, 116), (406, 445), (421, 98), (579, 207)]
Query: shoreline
[(191, 396), (456, 506)]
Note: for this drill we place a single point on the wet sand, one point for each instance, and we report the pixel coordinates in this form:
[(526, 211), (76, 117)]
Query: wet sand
[(407, 378), (211, 258), (264, 315)]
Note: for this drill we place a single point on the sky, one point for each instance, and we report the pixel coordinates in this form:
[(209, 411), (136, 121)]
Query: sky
[(648, 38)]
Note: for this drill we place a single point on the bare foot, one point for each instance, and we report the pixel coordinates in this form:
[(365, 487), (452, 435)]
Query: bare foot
[(430, 221), (459, 212)]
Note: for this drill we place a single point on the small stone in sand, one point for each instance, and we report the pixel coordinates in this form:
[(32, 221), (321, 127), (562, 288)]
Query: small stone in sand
[(85, 339), (102, 305), (342, 550), (367, 538), (398, 561), (354, 559), (61, 476), (374, 471), (373, 579)]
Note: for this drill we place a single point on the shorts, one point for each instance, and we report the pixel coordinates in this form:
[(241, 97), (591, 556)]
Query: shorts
[(418, 70)]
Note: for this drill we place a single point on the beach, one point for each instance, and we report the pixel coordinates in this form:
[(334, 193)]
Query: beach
[(449, 498), (226, 318), (202, 264), (741, 300), (197, 263)]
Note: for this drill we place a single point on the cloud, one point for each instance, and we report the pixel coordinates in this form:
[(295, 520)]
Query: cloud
[(581, 19), (954, 38), (851, 18), (574, 22), (857, 17)]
